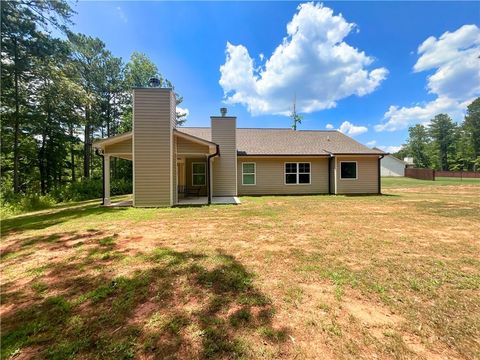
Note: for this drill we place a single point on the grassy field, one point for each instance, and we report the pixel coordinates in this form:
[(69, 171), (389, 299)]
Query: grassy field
[(310, 277)]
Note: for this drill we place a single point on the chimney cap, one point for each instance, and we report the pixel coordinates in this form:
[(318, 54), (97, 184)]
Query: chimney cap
[(154, 82), (223, 111)]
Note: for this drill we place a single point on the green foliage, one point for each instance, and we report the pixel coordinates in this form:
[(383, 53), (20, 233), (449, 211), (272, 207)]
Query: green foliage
[(472, 126), (12, 204), (419, 145), (90, 189), (444, 144), (442, 131), (57, 97)]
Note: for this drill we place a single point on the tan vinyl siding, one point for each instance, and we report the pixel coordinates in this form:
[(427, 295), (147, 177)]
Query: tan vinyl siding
[(174, 170), (152, 147), (224, 167), (189, 147), (122, 147), (173, 163), (188, 174), (367, 176), (270, 176)]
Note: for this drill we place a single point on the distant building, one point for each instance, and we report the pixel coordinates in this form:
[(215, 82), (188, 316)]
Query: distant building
[(409, 162), (392, 166)]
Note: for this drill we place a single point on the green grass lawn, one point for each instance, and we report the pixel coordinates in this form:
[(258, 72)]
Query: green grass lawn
[(307, 277)]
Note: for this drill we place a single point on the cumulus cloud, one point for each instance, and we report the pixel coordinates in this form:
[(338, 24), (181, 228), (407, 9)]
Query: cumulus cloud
[(180, 110), (390, 149), (371, 143), (313, 64), (455, 82), (329, 126), (352, 130)]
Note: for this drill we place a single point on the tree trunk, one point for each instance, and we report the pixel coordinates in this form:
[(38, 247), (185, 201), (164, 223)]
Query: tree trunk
[(86, 146), (108, 116), (72, 154), (16, 134), (41, 164)]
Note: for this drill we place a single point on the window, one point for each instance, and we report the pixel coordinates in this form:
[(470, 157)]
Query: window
[(199, 174), (348, 170), (297, 173), (248, 173)]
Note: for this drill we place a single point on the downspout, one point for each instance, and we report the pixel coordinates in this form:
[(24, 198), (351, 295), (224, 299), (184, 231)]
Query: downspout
[(209, 187), (379, 175), (97, 152), (332, 156)]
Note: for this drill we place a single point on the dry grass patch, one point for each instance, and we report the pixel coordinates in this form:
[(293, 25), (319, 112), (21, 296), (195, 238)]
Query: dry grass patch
[(309, 277)]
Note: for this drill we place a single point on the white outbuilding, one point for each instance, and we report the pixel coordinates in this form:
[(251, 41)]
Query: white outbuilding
[(392, 166)]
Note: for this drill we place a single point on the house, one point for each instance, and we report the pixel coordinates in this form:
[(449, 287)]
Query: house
[(172, 164), (392, 166)]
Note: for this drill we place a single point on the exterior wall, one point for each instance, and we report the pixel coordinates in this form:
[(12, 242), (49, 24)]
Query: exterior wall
[(122, 147), (224, 167), (188, 174), (367, 176), (332, 176), (392, 167), (153, 150), (174, 170), (270, 176), (189, 147)]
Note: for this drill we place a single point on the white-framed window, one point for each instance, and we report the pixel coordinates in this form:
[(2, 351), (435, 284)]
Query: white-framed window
[(199, 171), (248, 173), (297, 173), (348, 170)]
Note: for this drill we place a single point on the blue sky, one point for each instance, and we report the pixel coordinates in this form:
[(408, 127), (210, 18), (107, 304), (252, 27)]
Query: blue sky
[(345, 69)]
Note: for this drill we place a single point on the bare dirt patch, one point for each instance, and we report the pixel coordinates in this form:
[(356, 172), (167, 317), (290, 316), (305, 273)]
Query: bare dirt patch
[(288, 277)]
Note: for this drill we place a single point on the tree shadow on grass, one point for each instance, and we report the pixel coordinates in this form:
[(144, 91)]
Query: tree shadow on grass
[(175, 305), (53, 217)]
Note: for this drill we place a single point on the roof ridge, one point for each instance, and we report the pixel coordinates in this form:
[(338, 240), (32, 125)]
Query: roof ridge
[(259, 128)]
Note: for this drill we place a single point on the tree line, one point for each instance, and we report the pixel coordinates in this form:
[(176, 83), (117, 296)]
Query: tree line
[(444, 144), (58, 94)]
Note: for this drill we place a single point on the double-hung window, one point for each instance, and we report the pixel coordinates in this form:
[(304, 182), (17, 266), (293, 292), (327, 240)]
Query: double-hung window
[(297, 173), (199, 171), (248, 174), (348, 170)]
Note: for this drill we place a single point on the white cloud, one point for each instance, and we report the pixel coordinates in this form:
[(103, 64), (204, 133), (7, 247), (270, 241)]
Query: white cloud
[(121, 14), (313, 63), (455, 82), (371, 143), (352, 130), (390, 149), (185, 111), (329, 126)]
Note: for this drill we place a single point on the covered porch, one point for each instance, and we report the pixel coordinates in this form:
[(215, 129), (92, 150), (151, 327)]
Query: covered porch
[(192, 168)]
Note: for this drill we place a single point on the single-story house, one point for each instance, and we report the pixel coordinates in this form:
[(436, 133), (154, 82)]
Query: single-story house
[(173, 163), (392, 166)]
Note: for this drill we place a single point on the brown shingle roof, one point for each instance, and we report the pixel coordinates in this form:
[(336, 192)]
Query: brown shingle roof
[(289, 142)]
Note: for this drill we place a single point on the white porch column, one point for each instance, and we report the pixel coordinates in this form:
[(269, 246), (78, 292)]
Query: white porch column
[(106, 199)]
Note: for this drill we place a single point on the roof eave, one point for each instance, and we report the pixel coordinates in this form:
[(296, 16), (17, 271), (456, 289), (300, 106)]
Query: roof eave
[(101, 143)]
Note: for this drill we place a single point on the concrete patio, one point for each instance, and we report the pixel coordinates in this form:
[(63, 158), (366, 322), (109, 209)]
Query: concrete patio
[(201, 200)]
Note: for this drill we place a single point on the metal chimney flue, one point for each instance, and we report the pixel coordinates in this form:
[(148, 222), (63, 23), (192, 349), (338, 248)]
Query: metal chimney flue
[(223, 111), (154, 82)]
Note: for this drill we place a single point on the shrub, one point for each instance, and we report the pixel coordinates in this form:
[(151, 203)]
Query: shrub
[(17, 203), (90, 189), (12, 204)]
